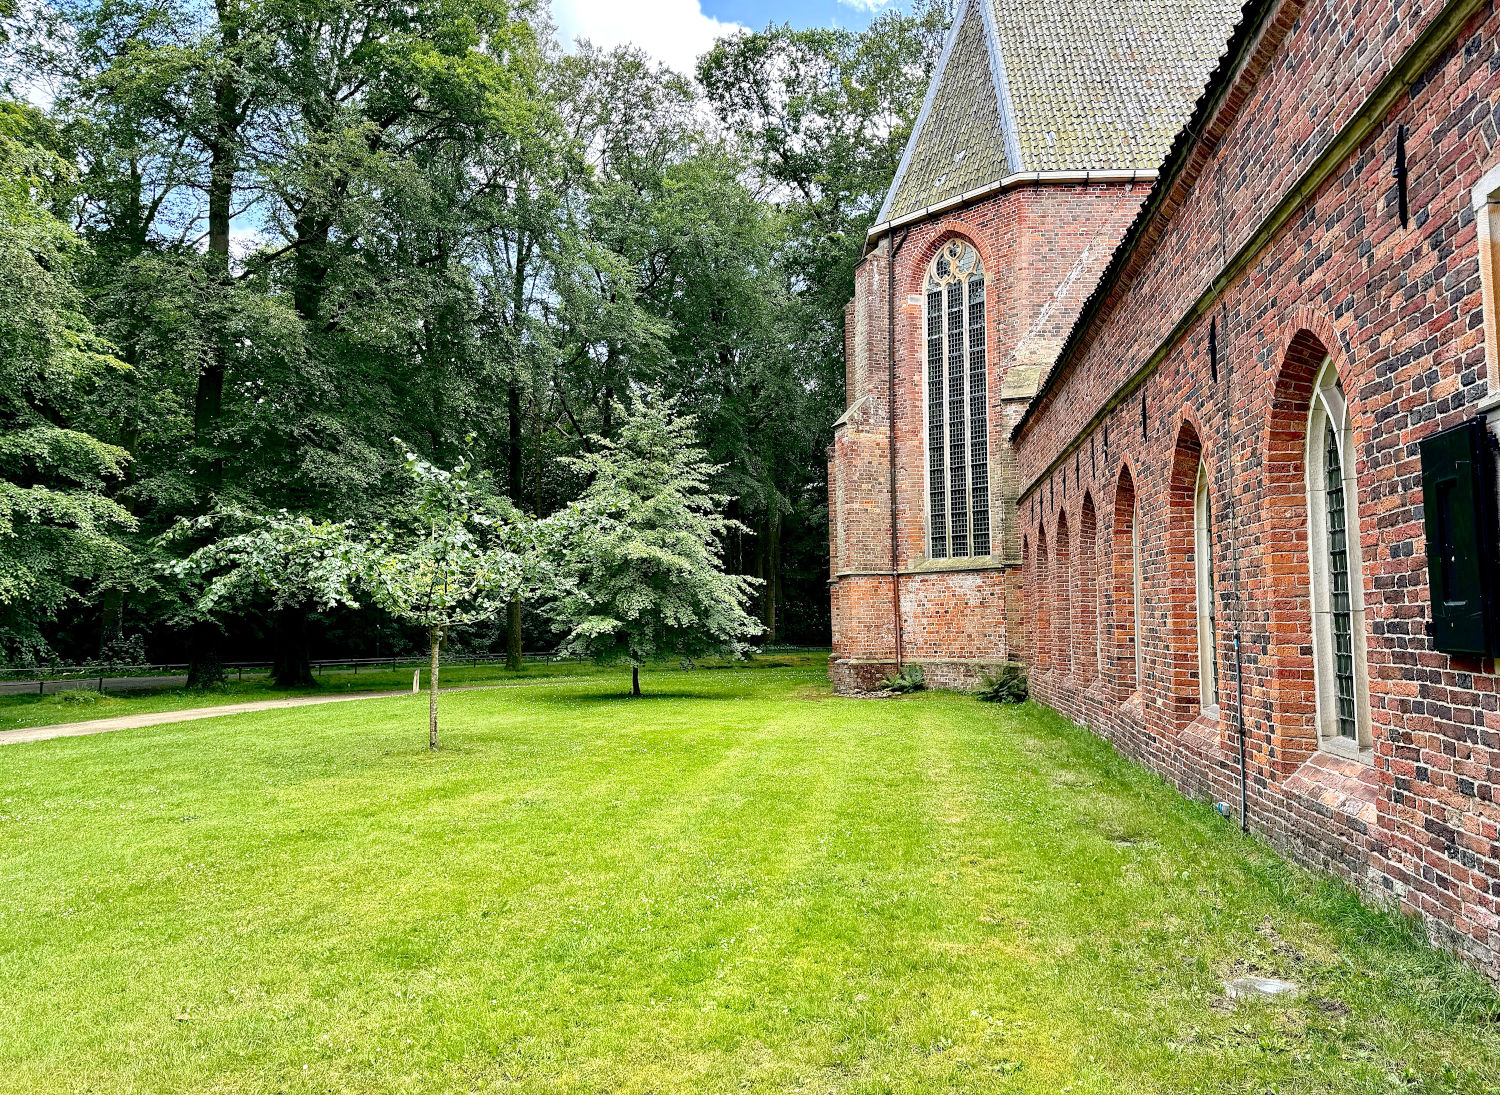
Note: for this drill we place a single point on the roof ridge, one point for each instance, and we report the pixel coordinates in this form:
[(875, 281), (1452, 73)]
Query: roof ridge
[(1017, 162)]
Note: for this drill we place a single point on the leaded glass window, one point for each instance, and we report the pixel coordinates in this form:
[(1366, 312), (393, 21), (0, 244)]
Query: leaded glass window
[(1338, 587), (1203, 562), (958, 486), (1333, 542)]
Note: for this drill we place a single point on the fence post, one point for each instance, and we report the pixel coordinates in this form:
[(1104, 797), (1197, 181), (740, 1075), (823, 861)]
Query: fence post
[(101, 686)]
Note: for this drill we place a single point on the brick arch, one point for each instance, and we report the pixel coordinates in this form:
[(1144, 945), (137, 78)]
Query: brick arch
[(1179, 674), (953, 229), (1062, 595), (1086, 613), (1121, 647), (1308, 322), (1041, 593), (1283, 576)]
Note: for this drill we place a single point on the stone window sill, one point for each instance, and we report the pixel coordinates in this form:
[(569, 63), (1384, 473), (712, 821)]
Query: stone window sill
[(1340, 785), (1345, 749), (968, 562)]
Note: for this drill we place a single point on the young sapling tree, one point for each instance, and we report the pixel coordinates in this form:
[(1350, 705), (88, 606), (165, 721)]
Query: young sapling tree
[(460, 557)]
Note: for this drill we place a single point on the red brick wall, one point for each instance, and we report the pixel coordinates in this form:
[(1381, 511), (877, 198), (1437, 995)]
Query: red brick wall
[(1398, 310), (1042, 247)]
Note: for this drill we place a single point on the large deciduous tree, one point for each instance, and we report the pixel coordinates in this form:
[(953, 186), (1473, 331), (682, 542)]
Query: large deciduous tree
[(58, 527)]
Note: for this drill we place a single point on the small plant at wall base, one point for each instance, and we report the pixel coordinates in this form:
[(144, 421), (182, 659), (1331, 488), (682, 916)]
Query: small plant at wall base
[(911, 679), (1006, 685)]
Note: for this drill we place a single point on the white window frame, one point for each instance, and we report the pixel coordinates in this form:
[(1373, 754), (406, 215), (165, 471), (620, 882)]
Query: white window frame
[(1329, 407), (1204, 597), (956, 253), (1139, 606)]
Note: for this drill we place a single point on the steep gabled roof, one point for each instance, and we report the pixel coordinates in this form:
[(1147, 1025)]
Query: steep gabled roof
[(1057, 85)]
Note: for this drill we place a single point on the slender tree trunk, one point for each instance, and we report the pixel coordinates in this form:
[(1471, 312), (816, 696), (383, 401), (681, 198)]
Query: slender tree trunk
[(513, 635), (513, 611), (772, 573), (292, 667), (435, 637), (113, 619), (635, 680)]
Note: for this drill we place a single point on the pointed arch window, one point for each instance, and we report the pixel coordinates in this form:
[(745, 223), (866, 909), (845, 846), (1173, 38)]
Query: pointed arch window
[(1137, 604), (1333, 553), (958, 443), (1203, 564)]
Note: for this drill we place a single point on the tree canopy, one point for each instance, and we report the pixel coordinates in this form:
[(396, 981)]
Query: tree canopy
[(245, 243)]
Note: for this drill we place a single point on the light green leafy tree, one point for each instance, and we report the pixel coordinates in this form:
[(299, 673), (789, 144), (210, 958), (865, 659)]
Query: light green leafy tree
[(459, 557), (297, 562), (641, 553)]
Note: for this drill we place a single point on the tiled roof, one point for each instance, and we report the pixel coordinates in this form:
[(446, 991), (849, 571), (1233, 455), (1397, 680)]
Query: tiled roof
[(1106, 83), (1058, 85), (962, 143)]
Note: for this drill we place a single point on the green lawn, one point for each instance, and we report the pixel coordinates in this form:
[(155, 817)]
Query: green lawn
[(84, 705), (736, 883)]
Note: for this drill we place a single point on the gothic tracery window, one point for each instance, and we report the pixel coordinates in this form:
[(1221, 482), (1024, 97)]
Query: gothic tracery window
[(1333, 552), (958, 485)]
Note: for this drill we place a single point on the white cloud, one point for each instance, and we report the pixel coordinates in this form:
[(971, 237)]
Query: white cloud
[(672, 31), (870, 6)]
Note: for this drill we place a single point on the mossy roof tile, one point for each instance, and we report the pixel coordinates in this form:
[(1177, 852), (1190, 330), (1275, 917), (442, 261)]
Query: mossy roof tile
[(1058, 85)]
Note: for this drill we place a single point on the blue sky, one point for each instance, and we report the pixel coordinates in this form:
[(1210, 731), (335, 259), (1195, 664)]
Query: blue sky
[(800, 13), (677, 31)]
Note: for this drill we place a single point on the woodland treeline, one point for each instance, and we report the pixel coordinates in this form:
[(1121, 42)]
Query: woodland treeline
[(245, 243)]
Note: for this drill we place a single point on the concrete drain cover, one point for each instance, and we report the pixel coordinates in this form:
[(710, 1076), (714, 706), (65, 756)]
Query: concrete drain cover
[(1251, 988)]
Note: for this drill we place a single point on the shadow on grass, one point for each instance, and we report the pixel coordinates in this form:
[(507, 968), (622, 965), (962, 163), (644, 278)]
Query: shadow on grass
[(624, 697)]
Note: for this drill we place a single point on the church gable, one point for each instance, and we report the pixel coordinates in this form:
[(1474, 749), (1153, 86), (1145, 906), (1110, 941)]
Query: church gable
[(959, 140), (1057, 85)]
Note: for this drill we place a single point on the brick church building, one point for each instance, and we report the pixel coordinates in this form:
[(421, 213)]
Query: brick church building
[(1173, 371)]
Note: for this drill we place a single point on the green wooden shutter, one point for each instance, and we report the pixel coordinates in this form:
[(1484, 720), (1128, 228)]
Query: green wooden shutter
[(1458, 497)]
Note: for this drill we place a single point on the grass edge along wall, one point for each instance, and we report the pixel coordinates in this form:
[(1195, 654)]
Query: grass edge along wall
[(1369, 753)]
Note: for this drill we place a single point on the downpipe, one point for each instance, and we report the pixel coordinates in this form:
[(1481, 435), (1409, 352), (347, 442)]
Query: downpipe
[(1239, 711)]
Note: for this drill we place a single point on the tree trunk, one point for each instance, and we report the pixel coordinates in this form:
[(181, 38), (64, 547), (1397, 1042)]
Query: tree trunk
[(435, 637), (292, 668), (113, 620), (513, 484), (513, 636), (773, 574), (222, 139), (205, 669), (635, 680)]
